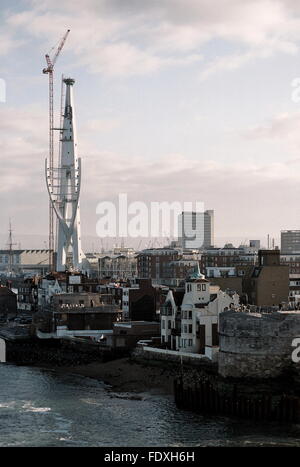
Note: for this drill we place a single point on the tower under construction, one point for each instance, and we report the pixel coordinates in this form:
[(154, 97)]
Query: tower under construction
[(64, 188)]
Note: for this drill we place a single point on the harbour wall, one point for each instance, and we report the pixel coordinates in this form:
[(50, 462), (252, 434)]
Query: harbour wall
[(257, 345), (58, 352)]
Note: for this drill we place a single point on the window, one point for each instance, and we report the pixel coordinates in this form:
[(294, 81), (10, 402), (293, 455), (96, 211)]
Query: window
[(204, 287), (202, 338), (190, 328)]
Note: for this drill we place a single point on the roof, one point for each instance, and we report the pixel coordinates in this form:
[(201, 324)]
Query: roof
[(178, 297), (195, 274)]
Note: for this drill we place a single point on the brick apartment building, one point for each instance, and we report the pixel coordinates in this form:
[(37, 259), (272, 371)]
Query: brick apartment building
[(155, 263)]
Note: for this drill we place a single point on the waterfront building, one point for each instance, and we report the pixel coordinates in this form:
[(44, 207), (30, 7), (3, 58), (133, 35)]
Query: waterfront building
[(189, 317), (77, 314), (126, 334)]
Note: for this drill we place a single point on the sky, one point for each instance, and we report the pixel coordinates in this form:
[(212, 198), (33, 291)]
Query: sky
[(176, 100)]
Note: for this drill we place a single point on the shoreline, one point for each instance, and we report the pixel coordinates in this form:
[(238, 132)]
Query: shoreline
[(124, 375)]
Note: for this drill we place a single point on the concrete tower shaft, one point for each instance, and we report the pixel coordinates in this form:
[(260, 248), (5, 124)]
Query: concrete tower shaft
[(65, 190)]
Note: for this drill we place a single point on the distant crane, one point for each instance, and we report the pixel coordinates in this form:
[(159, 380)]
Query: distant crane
[(49, 70)]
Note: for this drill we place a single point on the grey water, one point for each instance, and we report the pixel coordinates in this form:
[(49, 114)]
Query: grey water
[(47, 408)]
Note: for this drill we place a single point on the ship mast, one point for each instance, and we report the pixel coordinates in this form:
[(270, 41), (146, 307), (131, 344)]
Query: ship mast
[(10, 249)]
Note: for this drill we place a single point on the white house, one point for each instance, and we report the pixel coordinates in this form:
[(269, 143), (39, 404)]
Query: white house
[(47, 289), (189, 318)]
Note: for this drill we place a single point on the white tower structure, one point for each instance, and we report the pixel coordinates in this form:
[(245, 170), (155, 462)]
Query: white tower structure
[(64, 188)]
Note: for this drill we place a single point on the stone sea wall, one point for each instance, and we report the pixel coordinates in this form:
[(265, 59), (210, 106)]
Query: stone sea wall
[(56, 352), (257, 345)]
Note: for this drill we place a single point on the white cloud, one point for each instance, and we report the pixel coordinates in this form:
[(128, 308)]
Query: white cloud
[(233, 190), (123, 38), (22, 146), (101, 125), (281, 128), (120, 37)]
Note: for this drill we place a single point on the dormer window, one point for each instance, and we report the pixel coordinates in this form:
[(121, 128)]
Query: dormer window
[(203, 287)]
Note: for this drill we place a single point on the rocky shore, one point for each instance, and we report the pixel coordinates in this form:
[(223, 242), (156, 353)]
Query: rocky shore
[(126, 375)]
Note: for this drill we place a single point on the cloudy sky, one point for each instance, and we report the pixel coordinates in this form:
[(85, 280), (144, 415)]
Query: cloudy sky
[(176, 100)]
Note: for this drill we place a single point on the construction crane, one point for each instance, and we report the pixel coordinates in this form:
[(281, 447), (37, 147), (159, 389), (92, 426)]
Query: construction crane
[(49, 70)]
